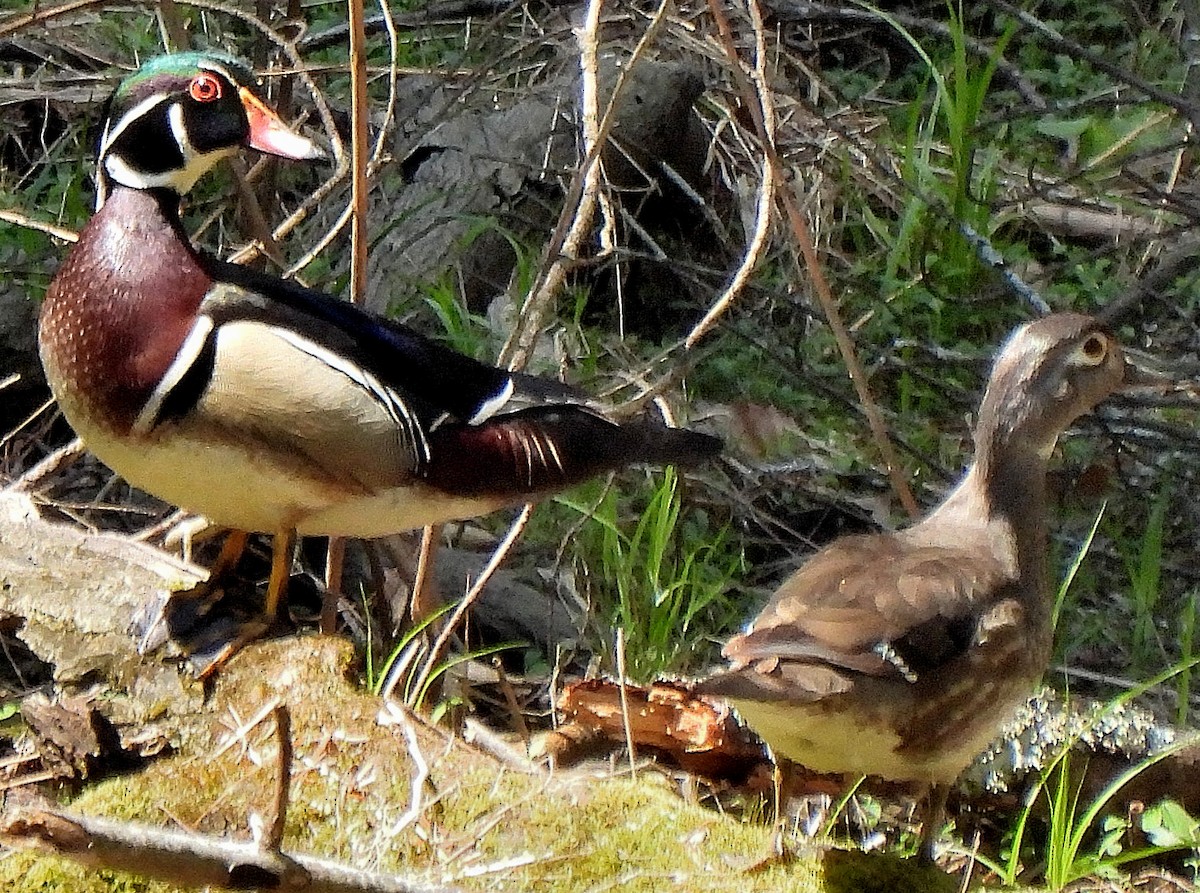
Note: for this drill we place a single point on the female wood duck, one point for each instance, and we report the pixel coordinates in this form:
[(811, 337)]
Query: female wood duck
[(901, 654), (271, 407)]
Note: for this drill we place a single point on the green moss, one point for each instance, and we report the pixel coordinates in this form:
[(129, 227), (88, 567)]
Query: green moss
[(854, 872), (485, 826)]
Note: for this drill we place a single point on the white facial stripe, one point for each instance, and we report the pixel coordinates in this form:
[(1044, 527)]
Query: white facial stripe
[(111, 135), (179, 180), (210, 65), (178, 129), (189, 351), (122, 173), (182, 179), (492, 405), (101, 181), (105, 140), (195, 164)]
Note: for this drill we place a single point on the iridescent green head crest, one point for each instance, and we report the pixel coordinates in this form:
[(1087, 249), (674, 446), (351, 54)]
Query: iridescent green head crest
[(184, 65), (175, 117)]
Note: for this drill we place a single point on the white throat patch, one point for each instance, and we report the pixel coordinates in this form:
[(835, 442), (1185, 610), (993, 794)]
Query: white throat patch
[(179, 180)]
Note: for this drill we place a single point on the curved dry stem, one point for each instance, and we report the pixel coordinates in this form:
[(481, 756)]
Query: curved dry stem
[(473, 595), (580, 202), (758, 101)]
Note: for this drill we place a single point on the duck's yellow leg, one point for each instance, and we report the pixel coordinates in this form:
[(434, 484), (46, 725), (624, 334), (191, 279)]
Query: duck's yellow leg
[(282, 551), (230, 554)]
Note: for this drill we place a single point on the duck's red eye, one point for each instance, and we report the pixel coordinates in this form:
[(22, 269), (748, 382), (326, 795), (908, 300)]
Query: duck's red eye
[(205, 87)]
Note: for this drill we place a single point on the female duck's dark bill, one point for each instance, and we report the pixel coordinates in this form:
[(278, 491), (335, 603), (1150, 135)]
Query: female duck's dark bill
[(269, 134)]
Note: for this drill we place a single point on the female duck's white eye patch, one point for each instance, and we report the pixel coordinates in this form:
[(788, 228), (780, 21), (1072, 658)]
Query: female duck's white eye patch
[(1094, 350)]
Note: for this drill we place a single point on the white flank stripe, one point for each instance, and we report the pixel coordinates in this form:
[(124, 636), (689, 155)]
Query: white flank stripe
[(553, 447), (391, 401), (188, 352), (492, 405)]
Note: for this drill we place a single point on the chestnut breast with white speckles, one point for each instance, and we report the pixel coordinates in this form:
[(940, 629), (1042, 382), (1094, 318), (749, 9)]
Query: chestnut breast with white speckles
[(117, 312)]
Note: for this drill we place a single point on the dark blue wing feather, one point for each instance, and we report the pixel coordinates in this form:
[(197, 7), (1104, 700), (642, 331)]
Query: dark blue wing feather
[(436, 378)]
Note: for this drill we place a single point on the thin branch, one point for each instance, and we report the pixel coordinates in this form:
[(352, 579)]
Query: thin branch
[(624, 692), (535, 309), (394, 712), (579, 204), (794, 12), (426, 597), (283, 779), (753, 254), (336, 551), (335, 562), (48, 466), (38, 16), (186, 858), (473, 595), (358, 152), (1183, 105), (757, 99), (19, 219)]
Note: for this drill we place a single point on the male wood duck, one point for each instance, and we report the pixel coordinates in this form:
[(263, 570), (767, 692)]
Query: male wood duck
[(271, 407), (901, 654)]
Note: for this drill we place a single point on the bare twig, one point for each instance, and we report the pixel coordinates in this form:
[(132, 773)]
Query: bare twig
[(358, 152), (20, 426), (472, 596), (41, 226), (1181, 260), (48, 466), (283, 779), (426, 598), (754, 252), (626, 724), (244, 729), (1181, 104), (174, 30), (480, 735), (536, 307), (510, 700), (389, 113), (186, 858), (580, 202), (796, 11), (335, 561), (394, 712), (757, 98), (19, 23), (358, 256)]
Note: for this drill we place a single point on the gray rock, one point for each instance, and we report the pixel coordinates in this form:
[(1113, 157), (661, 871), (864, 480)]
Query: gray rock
[(483, 170)]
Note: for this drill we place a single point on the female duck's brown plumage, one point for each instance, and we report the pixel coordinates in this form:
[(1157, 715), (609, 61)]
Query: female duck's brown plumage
[(267, 406), (899, 655)]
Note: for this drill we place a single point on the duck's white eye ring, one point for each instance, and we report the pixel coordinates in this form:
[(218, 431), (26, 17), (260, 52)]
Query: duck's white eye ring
[(1094, 350)]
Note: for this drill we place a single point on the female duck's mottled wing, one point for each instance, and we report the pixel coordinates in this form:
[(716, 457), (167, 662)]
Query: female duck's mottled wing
[(871, 606)]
